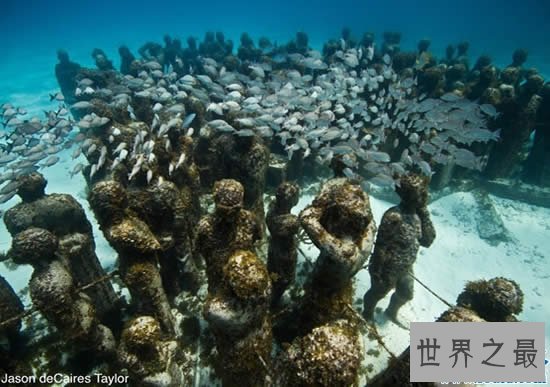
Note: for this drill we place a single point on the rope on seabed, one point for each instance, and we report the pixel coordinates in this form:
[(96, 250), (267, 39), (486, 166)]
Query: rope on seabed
[(372, 329), (33, 309), (430, 290)]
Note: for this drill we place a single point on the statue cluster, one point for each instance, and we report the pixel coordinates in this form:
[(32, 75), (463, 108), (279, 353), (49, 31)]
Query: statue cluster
[(519, 93), (184, 213), (251, 306)]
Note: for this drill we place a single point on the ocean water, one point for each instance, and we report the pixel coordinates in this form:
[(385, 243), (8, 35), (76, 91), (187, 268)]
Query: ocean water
[(33, 30)]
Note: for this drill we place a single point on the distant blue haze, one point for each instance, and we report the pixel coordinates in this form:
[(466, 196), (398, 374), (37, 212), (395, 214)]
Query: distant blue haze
[(32, 30)]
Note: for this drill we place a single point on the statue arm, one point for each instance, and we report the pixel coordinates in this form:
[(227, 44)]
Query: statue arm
[(367, 243), (427, 227), (310, 220), (283, 225)]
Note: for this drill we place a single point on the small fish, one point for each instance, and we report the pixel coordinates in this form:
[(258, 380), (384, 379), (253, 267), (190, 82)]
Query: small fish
[(135, 171), (380, 157), (6, 197), (245, 133), (181, 160), (349, 173), (57, 96), (76, 169), (490, 110), (171, 168), (216, 108), (425, 168), (91, 149), (50, 161), (123, 154), (12, 186), (382, 180), (93, 170), (82, 105)]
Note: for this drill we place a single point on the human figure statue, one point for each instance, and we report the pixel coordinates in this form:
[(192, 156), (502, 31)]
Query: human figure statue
[(238, 316), (340, 223), (66, 72), (150, 358), (101, 61), (64, 217), (403, 229), (137, 249), (126, 60), (228, 229), (54, 294), (245, 159), (283, 242)]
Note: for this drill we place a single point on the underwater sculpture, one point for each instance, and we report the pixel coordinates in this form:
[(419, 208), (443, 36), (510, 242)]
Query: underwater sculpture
[(339, 223), (354, 105), (167, 212), (403, 229), (10, 308), (137, 249), (101, 61), (246, 160), (238, 315), (537, 165), (328, 356), (126, 61), (53, 292), (65, 72), (228, 229), (517, 97), (151, 359), (13, 342), (64, 217), (497, 299), (283, 241)]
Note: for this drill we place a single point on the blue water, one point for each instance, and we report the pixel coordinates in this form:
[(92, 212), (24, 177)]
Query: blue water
[(32, 30)]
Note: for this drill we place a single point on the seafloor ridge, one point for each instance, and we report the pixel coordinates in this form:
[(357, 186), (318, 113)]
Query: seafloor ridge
[(239, 217)]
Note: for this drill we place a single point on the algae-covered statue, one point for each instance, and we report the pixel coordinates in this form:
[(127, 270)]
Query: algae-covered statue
[(54, 294), (497, 299), (328, 356), (11, 309), (283, 242), (64, 217), (340, 223), (228, 229), (138, 250), (238, 316), (403, 229), (150, 359), (245, 159), (65, 73)]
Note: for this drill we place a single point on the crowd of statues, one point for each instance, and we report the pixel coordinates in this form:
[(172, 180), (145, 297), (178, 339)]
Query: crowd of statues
[(238, 263)]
